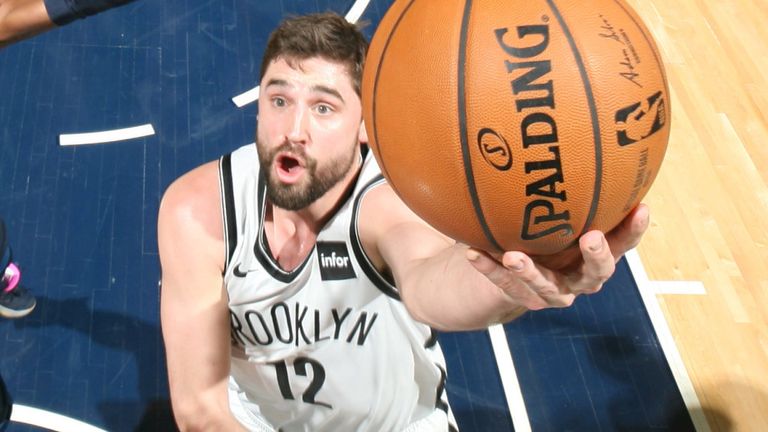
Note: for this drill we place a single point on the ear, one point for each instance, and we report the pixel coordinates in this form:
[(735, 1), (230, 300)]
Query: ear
[(362, 135)]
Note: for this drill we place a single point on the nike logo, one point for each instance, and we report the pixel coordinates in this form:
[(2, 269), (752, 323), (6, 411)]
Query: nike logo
[(239, 273)]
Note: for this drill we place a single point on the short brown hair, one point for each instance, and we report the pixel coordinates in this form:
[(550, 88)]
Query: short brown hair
[(326, 35)]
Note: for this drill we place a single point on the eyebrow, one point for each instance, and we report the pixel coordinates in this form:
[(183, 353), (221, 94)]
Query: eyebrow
[(319, 88), (328, 90)]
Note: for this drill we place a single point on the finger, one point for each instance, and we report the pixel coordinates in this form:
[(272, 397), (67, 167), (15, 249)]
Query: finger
[(486, 265), (501, 277), (599, 263), (505, 276), (628, 233), (536, 279), (513, 276)]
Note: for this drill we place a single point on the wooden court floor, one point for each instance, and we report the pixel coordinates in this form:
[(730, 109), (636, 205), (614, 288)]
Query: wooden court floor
[(710, 201)]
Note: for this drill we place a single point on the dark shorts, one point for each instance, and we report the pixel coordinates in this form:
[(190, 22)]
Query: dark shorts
[(5, 404), (5, 248)]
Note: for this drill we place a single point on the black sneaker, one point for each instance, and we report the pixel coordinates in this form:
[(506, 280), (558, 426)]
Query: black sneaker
[(15, 300)]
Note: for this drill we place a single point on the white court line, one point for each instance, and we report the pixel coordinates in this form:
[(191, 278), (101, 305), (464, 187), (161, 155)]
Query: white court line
[(48, 420), (648, 291), (678, 287), (354, 14), (674, 359), (509, 380), (106, 136), (356, 11), (244, 99)]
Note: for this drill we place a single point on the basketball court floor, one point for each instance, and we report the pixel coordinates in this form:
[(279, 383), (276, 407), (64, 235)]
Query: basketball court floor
[(168, 82)]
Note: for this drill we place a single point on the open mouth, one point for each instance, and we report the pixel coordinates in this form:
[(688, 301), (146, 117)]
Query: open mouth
[(289, 167)]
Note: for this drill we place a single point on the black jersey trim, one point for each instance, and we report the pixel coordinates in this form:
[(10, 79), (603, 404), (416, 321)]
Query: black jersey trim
[(440, 402), (380, 281), (432, 341), (228, 213), (441, 398), (261, 246)]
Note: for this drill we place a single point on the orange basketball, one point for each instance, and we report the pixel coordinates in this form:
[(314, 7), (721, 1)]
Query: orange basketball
[(516, 125)]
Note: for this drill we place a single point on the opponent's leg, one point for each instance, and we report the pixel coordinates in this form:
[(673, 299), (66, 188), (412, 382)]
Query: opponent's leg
[(5, 405), (15, 300)]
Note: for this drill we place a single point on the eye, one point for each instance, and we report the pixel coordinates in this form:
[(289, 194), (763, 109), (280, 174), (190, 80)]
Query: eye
[(278, 102), (324, 109)]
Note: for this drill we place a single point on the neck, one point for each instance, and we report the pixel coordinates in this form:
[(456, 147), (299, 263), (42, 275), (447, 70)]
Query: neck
[(289, 236), (292, 234)]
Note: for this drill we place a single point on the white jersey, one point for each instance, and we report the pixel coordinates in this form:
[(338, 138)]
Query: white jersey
[(329, 345)]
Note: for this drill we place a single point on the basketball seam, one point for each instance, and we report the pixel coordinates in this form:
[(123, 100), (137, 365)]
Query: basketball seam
[(462, 108), (593, 113), (375, 92)]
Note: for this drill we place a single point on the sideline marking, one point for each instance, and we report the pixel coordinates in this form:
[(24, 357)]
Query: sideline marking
[(354, 14), (648, 291), (48, 420), (509, 381), (106, 136), (667, 342)]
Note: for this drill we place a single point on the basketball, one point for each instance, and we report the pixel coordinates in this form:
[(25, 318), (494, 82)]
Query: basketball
[(516, 125)]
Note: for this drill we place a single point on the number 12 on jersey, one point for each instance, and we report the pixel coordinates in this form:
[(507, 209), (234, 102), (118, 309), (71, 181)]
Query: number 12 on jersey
[(300, 367)]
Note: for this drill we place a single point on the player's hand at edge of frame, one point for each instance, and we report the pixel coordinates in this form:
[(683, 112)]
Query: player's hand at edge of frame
[(533, 283)]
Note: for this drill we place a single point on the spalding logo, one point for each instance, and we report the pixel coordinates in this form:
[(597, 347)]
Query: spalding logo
[(494, 149)]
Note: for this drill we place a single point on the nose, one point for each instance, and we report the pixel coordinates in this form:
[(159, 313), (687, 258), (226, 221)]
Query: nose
[(298, 131)]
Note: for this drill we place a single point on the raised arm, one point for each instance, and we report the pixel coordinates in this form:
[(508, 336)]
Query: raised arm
[(193, 302), (20, 19), (452, 287)]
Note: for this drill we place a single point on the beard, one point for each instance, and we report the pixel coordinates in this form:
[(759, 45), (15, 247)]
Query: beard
[(316, 182)]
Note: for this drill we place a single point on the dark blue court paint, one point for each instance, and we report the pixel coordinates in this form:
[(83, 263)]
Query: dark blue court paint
[(596, 366)]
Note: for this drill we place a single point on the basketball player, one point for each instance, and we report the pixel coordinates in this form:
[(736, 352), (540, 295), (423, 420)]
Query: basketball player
[(15, 300), (20, 19), (299, 292)]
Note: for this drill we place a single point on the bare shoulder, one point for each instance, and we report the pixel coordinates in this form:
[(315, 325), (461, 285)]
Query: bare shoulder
[(190, 214), (194, 195), (381, 207)]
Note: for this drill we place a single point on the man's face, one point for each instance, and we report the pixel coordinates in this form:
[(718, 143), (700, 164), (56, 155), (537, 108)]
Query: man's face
[(309, 129)]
